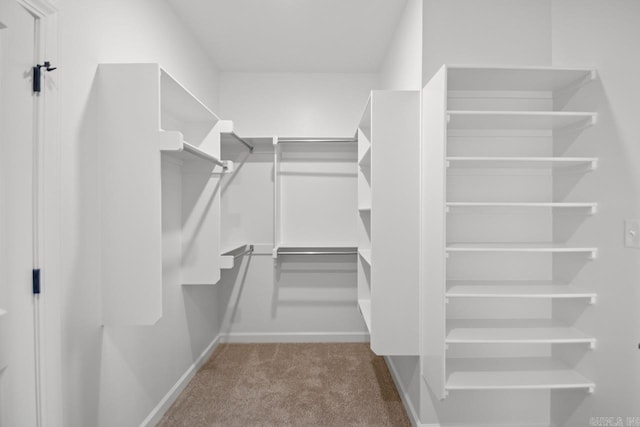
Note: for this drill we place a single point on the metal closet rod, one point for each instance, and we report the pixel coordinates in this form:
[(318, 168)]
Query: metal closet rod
[(203, 155), (243, 141), (318, 253), (287, 140)]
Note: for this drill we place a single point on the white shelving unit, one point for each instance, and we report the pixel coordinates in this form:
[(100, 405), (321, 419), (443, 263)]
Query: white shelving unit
[(149, 123), (388, 215), (497, 180)]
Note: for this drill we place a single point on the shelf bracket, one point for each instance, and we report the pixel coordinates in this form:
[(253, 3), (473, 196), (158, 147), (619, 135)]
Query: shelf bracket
[(592, 389), (593, 254), (593, 300), (592, 345)]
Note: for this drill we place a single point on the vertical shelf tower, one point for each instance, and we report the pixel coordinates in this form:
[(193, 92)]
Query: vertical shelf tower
[(388, 217), (505, 241), (148, 121)]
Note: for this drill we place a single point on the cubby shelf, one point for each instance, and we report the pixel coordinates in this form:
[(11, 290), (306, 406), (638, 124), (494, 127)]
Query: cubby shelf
[(365, 254), (365, 309), (521, 120), (494, 162), (514, 289), (388, 217), (513, 331), (365, 160), (513, 374)]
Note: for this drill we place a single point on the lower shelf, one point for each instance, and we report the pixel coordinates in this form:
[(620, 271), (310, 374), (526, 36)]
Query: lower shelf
[(515, 289), (514, 331), (513, 374), (365, 308)]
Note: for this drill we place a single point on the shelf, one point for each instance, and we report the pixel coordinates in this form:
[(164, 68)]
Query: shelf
[(521, 162), (365, 308), (533, 120), (364, 209), (514, 331), (365, 160), (513, 374), (591, 207), (534, 79), (514, 289), (365, 254), (228, 257), (519, 247), (315, 250)]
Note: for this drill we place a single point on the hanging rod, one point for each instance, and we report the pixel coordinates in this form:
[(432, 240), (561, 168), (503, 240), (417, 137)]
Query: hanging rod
[(240, 139), (203, 155), (318, 251), (325, 140)]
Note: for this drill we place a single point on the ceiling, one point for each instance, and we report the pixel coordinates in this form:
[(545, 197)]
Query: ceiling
[(293, 35)]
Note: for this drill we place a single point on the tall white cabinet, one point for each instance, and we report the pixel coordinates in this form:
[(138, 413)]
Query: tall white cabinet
[(505, 286), (388, 220)]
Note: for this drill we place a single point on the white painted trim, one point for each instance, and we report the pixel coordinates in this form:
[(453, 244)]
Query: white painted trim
[(404, 395), (40, 8), (294, 337), (163, 406)]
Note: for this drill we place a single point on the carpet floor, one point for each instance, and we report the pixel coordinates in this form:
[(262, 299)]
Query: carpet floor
[(325, 384)]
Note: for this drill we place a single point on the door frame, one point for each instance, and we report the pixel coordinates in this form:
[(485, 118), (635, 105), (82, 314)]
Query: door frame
[(49, 390)]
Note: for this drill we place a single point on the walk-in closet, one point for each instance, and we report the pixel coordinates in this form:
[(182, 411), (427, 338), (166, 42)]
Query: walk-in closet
[(319, 213)]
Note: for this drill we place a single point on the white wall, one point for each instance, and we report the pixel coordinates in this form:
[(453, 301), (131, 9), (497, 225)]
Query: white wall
[(402, 65), (295, 104), (115, 376), (605, 35), (514, 32)]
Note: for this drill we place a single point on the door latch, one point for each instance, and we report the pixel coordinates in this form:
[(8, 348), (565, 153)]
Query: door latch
[(37, 75)]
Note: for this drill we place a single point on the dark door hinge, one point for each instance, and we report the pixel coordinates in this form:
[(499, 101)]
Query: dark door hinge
[(36, 280)]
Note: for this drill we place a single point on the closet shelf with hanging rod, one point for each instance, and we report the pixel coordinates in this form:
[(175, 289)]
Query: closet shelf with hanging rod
[(228, 134), (229, 257), (315, 188)]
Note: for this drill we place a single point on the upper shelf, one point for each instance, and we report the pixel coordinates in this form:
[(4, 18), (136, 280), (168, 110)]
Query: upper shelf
[(522, 162), (517, 78), (523, 120), (520, 248)]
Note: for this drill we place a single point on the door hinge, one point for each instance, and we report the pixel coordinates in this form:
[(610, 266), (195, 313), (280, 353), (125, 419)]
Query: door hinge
[(37, 75), (36, 280)]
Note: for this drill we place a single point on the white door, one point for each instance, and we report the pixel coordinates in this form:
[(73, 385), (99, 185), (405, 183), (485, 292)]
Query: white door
[(17, 110)]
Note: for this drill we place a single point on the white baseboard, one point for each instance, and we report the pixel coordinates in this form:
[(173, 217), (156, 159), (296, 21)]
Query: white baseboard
[(295, 337), (163, 406), (413, 414)]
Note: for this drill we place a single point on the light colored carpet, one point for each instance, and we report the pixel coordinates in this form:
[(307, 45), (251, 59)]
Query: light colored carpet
[(326, 384)]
